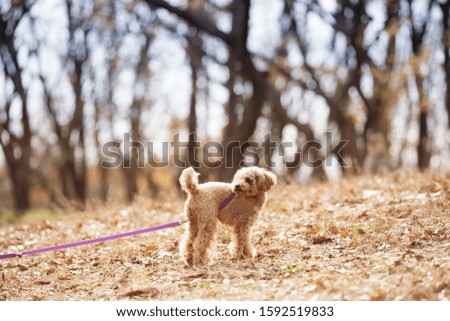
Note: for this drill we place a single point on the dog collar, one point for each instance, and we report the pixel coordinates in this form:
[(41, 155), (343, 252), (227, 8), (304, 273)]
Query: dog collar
[(227, 201)]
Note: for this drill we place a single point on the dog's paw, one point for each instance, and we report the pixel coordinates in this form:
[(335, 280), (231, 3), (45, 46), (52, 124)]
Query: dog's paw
[(246, 253), (189, 261)]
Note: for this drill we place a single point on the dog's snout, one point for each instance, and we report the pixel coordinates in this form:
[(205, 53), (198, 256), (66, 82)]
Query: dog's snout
[(238, 187)]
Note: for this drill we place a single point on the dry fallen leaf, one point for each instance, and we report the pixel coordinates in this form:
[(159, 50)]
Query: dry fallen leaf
[(50, 270), (321, 239), (193, 276), (310, 229), (22, 267), (149, 247), (42, 282), (442, 286), (334, 230), (379, 296), (148, 292)]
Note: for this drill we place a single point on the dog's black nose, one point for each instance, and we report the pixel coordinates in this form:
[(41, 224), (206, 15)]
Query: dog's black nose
[(238, 187)]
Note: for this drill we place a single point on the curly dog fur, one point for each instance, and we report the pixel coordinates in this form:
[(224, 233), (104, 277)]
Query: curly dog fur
[(202, 211)]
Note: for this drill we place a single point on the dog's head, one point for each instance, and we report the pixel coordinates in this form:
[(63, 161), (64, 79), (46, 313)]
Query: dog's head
[(251, 181)]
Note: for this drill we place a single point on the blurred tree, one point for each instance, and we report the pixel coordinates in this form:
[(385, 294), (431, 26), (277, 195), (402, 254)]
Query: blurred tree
[(351, 21), (240, 63), (195, 52), (418, 30), (370, 66), (243, 110), (445, 7), (16, 146), (135, 155), (109, 38), (125, 21), (338, 99), (71, 133)]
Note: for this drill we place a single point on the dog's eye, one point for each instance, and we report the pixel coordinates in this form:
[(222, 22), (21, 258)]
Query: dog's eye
[(249, 180)]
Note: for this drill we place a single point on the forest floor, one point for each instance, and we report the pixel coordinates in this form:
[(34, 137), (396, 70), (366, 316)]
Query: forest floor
[(363, 238)]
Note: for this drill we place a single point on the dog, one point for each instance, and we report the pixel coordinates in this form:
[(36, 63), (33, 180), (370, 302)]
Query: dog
[(250, 186)]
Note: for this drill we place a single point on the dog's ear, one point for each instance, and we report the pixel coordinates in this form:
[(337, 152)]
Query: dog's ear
[(271, 177), (269, 180)]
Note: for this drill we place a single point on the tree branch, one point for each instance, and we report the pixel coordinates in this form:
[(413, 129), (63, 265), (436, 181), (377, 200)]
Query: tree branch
[(201, 22)]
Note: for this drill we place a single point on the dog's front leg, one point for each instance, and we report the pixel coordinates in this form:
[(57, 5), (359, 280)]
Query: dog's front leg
[(242, 246)]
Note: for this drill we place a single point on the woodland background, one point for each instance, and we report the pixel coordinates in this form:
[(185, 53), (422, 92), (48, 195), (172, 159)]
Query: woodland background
[(77, 74)]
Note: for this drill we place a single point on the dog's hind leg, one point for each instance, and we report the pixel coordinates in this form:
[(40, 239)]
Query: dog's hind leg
[(189, 238), (204, 243)]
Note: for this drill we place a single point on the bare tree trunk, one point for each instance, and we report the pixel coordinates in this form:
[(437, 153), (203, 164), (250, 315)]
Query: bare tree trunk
[(131, 157), (71, 140), (377, 127), (243, 65), (131, 177), (103, 184), (417, 35), (66, 164), (135, 156), (17, 153), (195, 52), (423, 151), (446, 46), (17, 149), (19, 173), (231, 111), (78, 167), (103, 190)]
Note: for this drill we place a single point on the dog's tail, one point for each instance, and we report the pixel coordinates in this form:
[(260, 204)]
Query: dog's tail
[(189, 180)]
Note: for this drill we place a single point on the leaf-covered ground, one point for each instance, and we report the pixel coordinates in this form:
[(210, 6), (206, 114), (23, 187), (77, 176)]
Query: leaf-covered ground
[(364, 238)]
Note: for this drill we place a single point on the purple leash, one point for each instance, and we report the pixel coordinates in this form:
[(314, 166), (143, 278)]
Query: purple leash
[(91, 241), (227, 201), (106, 238)]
